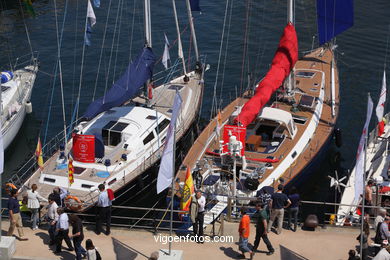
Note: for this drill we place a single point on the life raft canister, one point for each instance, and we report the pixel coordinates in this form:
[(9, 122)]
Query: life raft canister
[(6, 76), (72, 203)]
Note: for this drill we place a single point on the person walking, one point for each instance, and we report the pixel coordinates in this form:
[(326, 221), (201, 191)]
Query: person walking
[(34, 204), (244, 231), (278, 203), (14, 216), (261, 229), (103, 210), (197, 215), (294, 208), (62, 228), (92, 252), (52, 218), (77, 235)]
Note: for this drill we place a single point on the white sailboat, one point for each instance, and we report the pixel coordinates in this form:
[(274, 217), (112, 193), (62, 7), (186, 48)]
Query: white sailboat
[(122, 134)]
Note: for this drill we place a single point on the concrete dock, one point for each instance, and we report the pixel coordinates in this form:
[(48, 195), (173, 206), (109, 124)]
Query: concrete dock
[(330, 243)]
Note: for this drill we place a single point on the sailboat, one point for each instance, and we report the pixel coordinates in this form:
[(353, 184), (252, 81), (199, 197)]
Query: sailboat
[(121, 135), (279, 134)]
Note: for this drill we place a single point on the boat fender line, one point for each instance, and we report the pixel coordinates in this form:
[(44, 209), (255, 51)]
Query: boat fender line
[(267, 160), (28, 107), (73, 203), (338, 137)]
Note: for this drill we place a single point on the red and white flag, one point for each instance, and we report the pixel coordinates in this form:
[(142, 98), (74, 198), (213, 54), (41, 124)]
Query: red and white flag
[(380, 108), (360, 157)]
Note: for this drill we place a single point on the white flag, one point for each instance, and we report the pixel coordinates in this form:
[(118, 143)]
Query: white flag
[(359, 167), (382, 99), (91, 14), (1, 151), (166, 57), (167, 167)]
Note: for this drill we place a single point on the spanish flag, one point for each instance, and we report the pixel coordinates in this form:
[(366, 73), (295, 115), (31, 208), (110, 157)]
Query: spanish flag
[(38, 154), (70, 170), (188, 190)]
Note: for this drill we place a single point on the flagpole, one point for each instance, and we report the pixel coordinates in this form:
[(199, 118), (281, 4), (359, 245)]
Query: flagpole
[(364, 190)]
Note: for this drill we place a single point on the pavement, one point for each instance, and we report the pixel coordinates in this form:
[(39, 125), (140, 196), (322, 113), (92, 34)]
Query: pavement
[(330, 243)]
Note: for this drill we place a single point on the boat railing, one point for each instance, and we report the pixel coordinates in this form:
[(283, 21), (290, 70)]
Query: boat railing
[(27, 59), (28, 168)]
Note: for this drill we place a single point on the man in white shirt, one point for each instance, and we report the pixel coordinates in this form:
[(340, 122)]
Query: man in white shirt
[(103, 210), (62, 228), (198, 224), (52, 218)]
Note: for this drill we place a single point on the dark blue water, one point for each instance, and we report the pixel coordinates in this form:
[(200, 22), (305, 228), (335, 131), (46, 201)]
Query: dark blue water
[(361, 57)]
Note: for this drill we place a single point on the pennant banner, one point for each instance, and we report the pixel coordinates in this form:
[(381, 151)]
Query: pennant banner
[(166, 171), (166, 57), (90, 23), (38, 154), (70, 171), (188, 190), (380, 108), (359, 167)]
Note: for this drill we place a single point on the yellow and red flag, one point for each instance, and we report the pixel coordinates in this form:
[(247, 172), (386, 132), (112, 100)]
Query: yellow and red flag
[(188, 190), (38, 154), (70, 171)]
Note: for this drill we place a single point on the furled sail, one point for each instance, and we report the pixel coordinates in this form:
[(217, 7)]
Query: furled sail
[(284, 60), (128, 86), (333, 17)]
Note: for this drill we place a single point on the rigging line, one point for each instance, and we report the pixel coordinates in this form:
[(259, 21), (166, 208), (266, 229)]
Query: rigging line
[(387, 47), (214, 103), (50, 103), (101, 51), (112, 49), (25, 27), (82, 65), (226, 49), (75, 55), (132, 31), (245, 46), (118, 40), (59, 62)]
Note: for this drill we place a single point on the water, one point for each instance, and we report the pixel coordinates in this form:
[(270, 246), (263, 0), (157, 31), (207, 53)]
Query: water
[(362, 51)]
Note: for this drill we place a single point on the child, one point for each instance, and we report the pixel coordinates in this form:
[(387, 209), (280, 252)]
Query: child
[(92, 252)]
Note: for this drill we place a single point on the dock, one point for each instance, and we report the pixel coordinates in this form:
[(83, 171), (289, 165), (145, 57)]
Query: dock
[(323, 243)]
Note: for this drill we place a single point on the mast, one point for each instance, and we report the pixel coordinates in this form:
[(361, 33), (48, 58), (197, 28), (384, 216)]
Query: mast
[(180, 50), (290, 19), (191, 20), (148, 44)]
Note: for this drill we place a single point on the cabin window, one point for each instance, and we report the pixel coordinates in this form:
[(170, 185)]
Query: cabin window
[(162, 125), (151, 117), (149, 138), (51, 180), (86, 186), (305, 74), (111, 182), (112, 133)]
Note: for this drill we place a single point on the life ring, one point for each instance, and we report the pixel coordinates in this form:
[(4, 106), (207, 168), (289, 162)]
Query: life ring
[(72, 203)]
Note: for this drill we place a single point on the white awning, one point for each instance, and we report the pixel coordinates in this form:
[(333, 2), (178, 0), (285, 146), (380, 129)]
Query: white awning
[(280, 116)]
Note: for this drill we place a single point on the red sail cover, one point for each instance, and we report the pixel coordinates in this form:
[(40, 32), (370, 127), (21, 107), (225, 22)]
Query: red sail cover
[(84, 148), (284, 60)]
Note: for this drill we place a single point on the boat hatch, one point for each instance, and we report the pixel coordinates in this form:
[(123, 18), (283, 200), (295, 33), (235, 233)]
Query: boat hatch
[(175, 87), (306, 101), (305, 74), (78, 170), (112, 133), (299, 119), (51, 180)]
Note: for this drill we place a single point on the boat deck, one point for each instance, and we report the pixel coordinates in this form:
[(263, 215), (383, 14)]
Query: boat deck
[(318, 61)]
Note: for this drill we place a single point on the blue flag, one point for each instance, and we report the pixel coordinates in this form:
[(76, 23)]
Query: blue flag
[(96, 3), (195, 5)]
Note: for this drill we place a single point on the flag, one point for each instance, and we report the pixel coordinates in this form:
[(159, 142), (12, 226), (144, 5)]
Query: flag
[(360, 157), (70, 170), (90, 23), (166, 57), (29, 7), (96, 3), (219, 122), (38, 154), (381, 106), (166, 171), (188, 191), (195, 5), (1, 151)]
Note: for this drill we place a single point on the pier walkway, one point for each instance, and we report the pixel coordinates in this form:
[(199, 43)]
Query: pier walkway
[(330, 243)]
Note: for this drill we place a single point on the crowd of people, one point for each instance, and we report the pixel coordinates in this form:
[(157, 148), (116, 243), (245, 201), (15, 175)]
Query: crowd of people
[(58, 219)]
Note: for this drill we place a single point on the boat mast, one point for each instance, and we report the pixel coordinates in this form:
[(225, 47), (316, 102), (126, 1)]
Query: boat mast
[(180, 51), (191, 20), (290, 19), (148, 44)]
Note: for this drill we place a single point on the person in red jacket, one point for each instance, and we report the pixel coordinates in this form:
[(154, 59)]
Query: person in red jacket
[(244, 231)]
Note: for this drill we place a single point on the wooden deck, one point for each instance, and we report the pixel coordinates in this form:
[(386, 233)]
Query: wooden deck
[(314, 61)]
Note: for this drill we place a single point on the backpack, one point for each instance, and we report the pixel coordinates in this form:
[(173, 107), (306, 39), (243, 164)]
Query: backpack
[(110, 194)]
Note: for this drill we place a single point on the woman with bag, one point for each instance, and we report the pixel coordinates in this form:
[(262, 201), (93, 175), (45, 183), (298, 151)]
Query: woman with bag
[(33, 203), (92, 253)]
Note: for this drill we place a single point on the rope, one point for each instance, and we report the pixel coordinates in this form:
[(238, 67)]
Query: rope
[(244, 53), (144, 215), (117, 46), (165, 213), (101, 52), (74, 56)]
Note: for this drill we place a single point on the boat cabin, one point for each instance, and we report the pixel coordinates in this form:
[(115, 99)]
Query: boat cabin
[(269, 130)]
